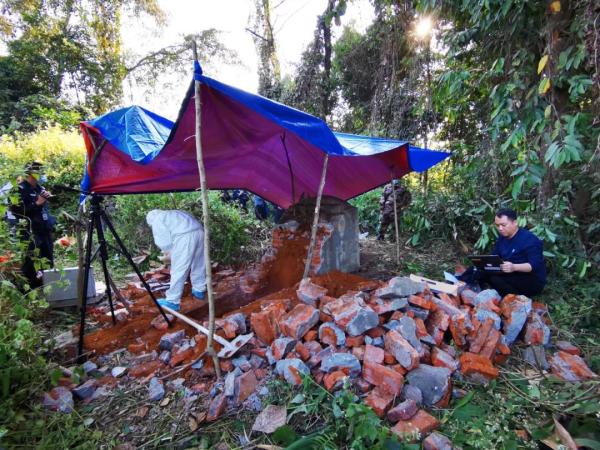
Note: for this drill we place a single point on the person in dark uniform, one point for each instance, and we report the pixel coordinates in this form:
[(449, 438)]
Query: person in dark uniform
[(386, 205), (522, 253), (233, 196), (38, 224), (261, 208)]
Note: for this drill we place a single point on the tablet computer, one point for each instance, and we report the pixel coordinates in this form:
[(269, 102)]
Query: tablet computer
[(489, 263)]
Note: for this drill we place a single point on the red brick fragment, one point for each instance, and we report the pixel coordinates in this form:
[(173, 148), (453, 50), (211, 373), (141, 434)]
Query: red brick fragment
[(404, 353), (334, 380), (481, 336), (355, 341), (567, 347), (439, 358), (379, 401), (373, 354), (264, 326), (489, 349), (421, 328), (375, 332), (359, 352), (302, 351), (216, 408), (570, 367), (471, 364), (245, 385), (383, 376), (311, 335), (388, 358), (421, 302), (420, 424)]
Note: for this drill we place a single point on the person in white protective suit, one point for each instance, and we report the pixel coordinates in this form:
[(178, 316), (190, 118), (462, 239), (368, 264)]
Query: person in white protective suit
[(180, 234)]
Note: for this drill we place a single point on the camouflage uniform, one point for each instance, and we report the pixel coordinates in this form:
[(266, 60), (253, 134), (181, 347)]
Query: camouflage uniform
[(386, 206)]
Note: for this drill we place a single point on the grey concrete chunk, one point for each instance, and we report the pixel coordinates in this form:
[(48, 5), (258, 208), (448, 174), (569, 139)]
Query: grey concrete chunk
[(340, 361), (483, 314), (437, 441), (408, 329), (283, 369), (85, 390), (516, 317), (89, 366), (156, 391), (167, 341), (363, 321), (339, 334), (410, 392), (59, 399), (487, 296), (400, 287), (536, 356), (118, 371), (403, 411), (434, 382)]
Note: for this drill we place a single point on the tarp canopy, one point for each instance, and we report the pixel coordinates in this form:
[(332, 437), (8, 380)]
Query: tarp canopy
[(248, 142)]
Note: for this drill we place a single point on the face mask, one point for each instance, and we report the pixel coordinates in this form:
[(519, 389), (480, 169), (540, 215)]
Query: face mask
[(43, 178)]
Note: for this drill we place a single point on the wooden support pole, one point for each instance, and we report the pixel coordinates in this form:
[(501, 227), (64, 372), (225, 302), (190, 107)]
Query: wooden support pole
[(396, 220), (204, 196), (313, 233)]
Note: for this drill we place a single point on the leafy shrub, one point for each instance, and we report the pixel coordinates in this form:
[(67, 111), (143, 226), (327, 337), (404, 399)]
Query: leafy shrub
[(368, 210)]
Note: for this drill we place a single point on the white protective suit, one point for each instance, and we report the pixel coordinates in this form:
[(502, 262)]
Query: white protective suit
[(182, 235)]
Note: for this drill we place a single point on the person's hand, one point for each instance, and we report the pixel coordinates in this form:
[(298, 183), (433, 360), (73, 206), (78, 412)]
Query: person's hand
[(40, 200), (46, 194), (507, 267)]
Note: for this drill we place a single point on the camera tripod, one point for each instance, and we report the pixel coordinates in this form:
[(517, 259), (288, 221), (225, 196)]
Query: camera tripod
[(96, 219)]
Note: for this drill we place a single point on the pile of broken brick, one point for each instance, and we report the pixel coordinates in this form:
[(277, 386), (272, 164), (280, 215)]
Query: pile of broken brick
[(398, 344)]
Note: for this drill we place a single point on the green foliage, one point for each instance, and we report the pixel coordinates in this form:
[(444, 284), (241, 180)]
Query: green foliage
[(368, 210), (342, 421), (24, 372), (61, 152)]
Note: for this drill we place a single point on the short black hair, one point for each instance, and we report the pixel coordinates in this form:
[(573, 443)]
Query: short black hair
[(509, 213)]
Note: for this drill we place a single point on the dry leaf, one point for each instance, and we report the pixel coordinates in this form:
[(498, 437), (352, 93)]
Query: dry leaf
[(165, 401), (564, 435), (555, 7), (193, 424), (142, 412), (542, 63), (199, 416)]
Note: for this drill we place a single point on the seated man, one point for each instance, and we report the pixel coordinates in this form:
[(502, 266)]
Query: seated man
[(182, 235), (523, 268)]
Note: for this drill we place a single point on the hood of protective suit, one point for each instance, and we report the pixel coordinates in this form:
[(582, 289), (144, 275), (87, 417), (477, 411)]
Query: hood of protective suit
[(152, 217)]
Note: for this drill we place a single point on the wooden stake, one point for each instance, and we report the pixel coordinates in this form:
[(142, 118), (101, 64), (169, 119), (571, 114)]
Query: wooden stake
[(396, 220), (313, 233), (200, 160), (80, 254)]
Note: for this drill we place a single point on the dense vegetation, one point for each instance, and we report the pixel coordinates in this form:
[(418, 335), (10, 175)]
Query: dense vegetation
[(511, 87)]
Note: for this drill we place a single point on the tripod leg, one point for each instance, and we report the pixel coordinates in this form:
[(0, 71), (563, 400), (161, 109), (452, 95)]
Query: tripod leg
[(103, 259), (132, 264), (86, 274)]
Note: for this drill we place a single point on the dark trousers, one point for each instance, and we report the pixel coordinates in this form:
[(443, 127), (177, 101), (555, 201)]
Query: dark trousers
[(519, 283), (45, 246)]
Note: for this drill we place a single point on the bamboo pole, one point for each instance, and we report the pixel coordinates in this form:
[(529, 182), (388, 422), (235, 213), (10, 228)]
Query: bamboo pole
[(313, 233), (396, 220), (204, 196)]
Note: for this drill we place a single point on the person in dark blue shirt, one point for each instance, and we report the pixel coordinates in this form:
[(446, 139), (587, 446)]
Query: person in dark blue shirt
[(522, 253)]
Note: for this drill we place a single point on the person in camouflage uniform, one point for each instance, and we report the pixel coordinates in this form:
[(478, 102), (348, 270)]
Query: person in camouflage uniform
[(386, 206)]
